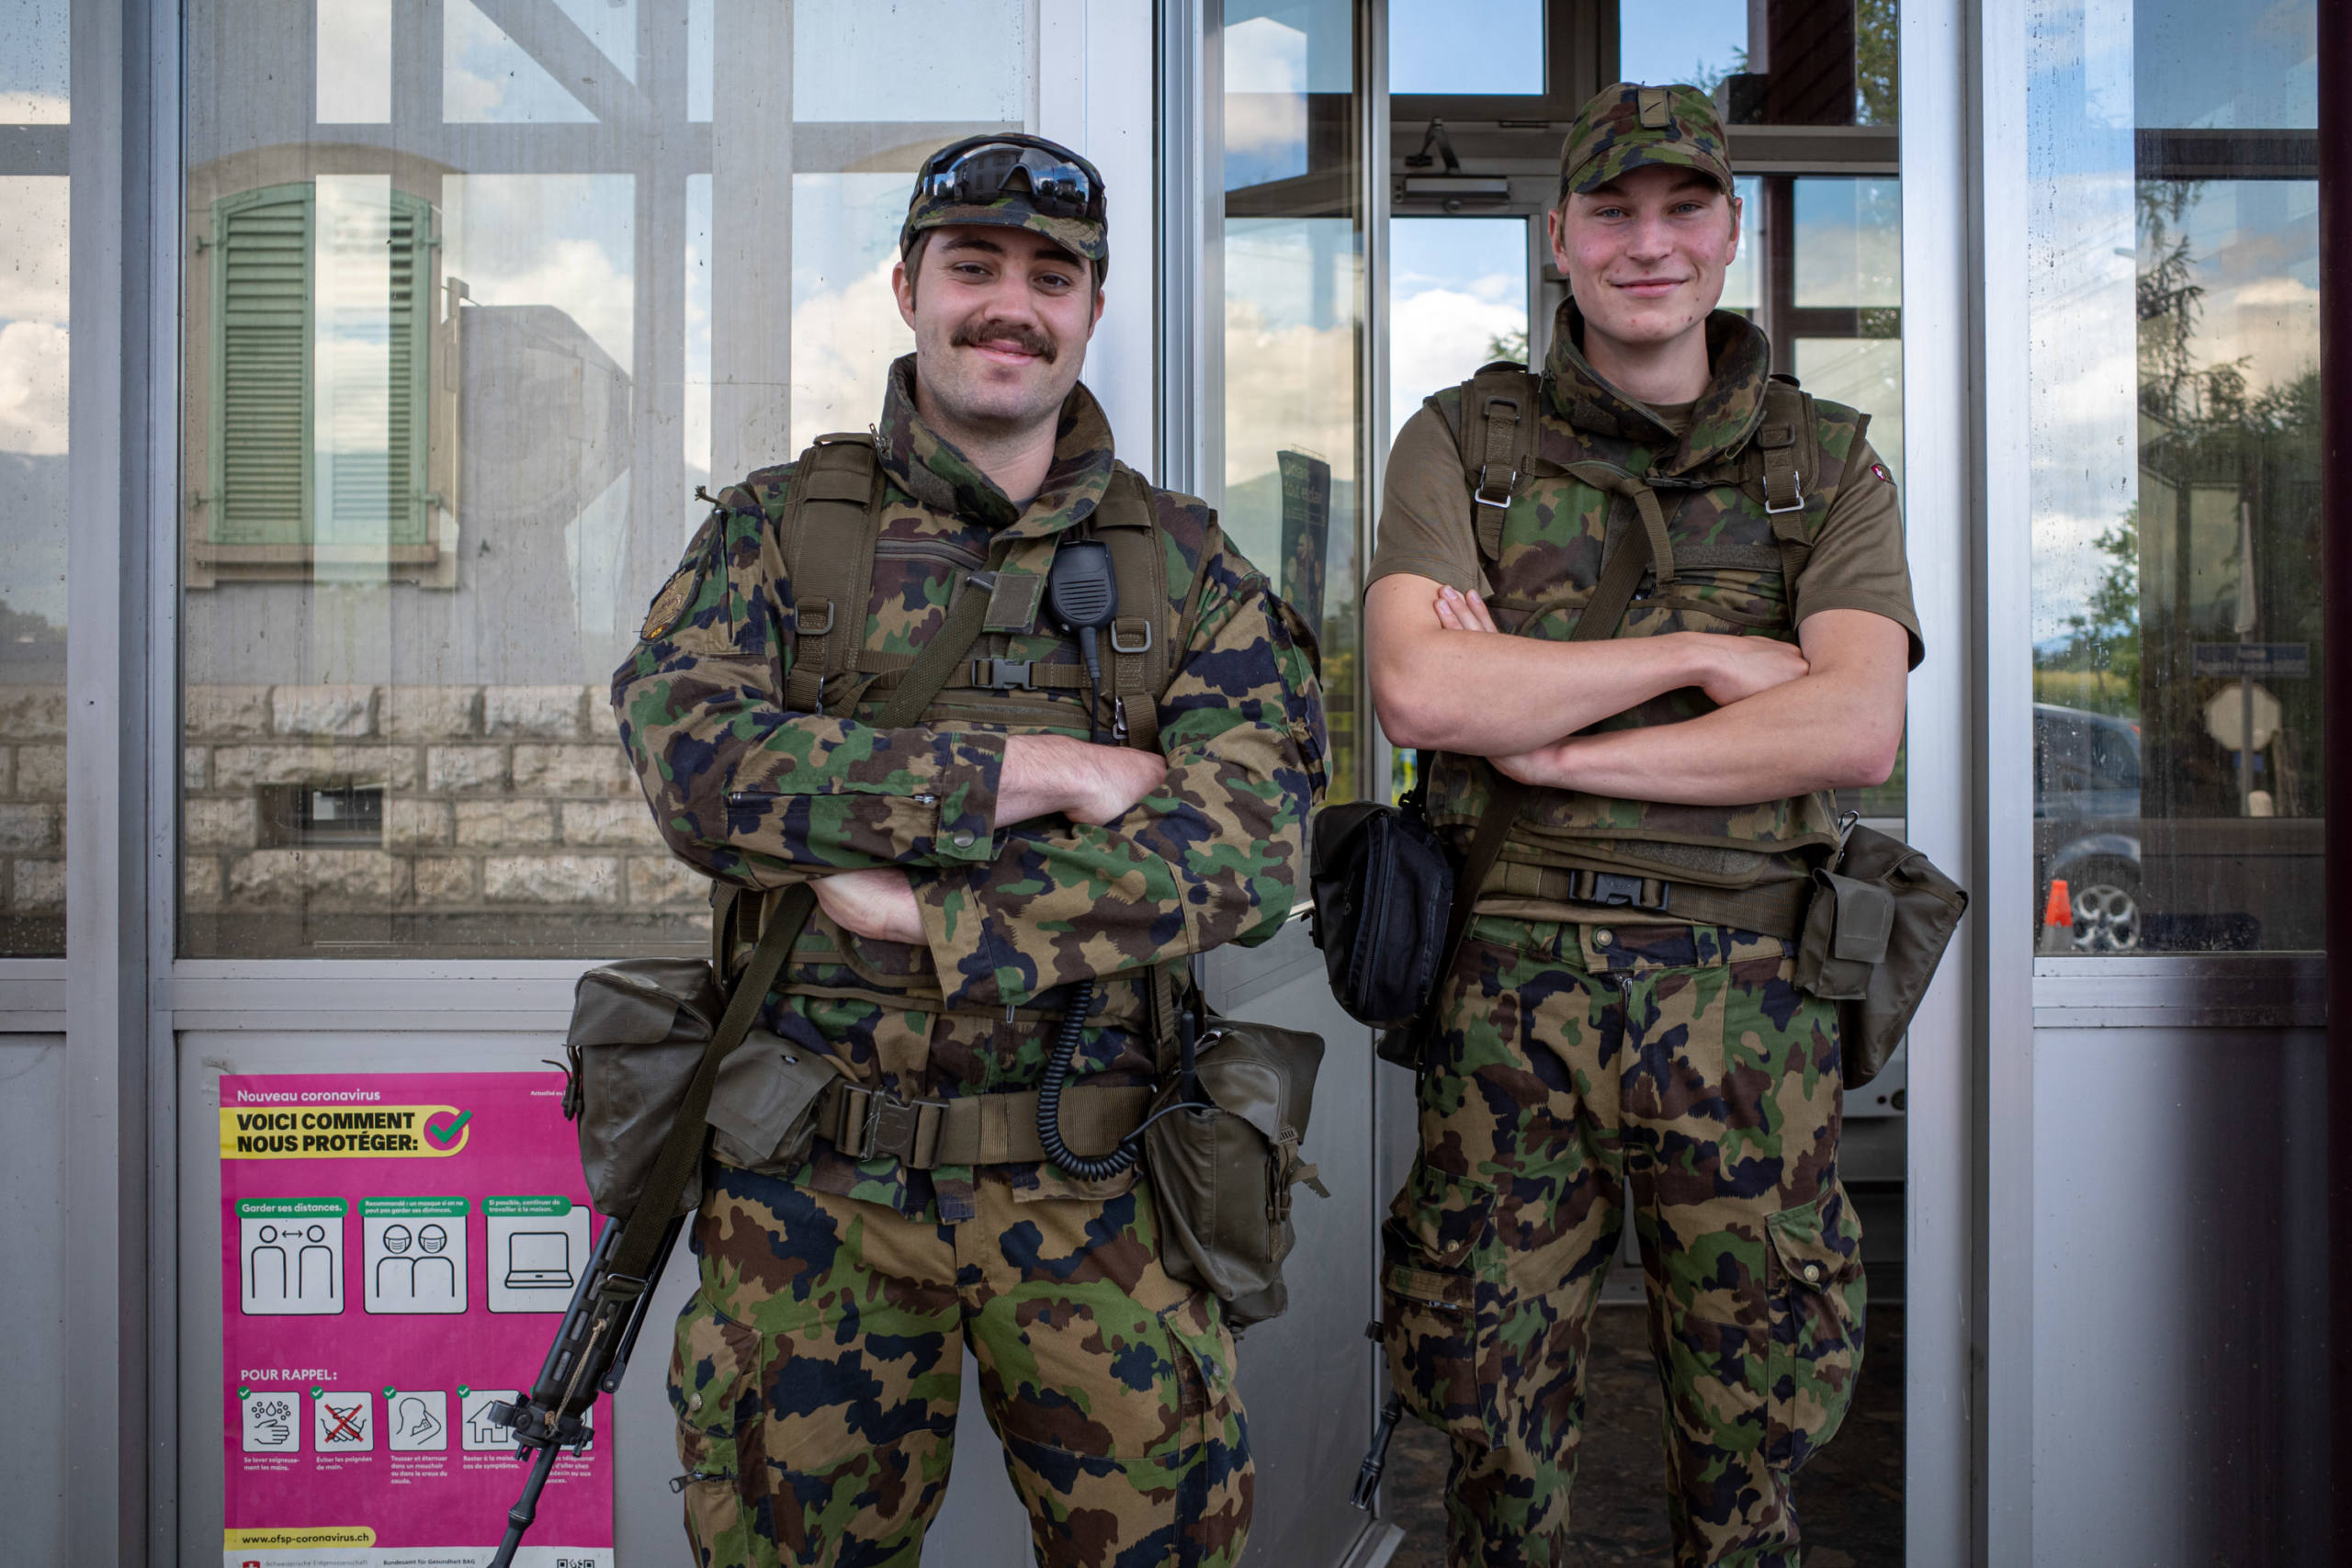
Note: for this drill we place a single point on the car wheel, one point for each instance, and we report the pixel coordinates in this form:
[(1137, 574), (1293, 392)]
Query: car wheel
[(2106, 909)]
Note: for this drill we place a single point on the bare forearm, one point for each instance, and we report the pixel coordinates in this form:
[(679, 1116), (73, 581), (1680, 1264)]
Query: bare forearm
[(1044, 774), (1489, 696), (1818, 732), (1440, 687)]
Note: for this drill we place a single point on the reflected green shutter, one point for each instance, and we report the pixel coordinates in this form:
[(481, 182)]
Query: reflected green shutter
[(263, 488), (410, 320), (260, 493)]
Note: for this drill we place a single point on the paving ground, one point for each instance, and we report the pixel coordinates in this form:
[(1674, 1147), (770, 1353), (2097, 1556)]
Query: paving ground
[(1850, 1498)]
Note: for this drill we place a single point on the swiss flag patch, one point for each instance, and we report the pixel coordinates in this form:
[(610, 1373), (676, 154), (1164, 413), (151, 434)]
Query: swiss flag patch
[(1879, 469)]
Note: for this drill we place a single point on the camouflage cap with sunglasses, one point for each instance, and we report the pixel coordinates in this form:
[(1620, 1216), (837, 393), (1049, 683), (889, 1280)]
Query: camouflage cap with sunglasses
[(1630, 125), (1014, 182)]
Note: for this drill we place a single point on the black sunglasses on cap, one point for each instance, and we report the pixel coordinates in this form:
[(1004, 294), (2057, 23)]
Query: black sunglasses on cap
[(1060, 183)]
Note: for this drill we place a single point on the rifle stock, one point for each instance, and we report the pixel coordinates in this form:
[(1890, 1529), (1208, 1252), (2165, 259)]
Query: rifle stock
[(589, 1356)]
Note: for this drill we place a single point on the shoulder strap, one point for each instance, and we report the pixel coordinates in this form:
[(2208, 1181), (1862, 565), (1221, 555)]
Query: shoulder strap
[(828, 534), (1143, 641), (681, 1148), (1500, 409), (1783, 468), (1603, 613)]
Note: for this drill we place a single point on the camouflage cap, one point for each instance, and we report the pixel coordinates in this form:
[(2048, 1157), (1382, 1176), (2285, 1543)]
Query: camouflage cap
[(1629, 125), (1012, 204)]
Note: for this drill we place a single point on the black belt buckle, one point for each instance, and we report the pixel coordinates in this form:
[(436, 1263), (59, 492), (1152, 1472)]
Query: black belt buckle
[(1617, 891), (1000, 674)]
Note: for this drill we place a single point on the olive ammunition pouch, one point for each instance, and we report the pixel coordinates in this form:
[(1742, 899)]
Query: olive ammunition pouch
[(1875, 931), (1222, 1148), (639, 1032)]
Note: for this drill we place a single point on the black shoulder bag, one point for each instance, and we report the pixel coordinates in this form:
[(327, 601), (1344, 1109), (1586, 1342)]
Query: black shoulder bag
[(1390, 906)]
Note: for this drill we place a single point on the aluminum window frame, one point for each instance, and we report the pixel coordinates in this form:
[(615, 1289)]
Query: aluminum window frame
[(127, 997)]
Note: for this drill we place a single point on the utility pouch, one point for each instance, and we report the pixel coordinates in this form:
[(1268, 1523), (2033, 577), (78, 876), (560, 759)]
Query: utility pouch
[(639, 1032), (1846, 928), (1382, 885), (1222, 1148), (1876, 929), (764, 1111)]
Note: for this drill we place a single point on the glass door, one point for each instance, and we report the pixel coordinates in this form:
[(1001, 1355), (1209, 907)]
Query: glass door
[(1481, 98), (1294, 255)]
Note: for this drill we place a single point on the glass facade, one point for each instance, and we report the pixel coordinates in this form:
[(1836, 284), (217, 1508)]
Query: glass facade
[(467, 319), (1296, 316), (2176, 387), (34, 248), (1492, 48)]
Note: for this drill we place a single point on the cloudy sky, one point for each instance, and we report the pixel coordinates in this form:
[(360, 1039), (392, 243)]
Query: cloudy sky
[(33, 284)]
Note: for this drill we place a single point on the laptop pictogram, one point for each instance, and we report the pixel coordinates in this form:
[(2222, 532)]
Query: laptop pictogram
[(537, 1261)]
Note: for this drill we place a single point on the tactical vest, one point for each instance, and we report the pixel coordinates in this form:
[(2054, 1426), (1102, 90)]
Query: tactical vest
[(1019, 676), (1549, 496), (827, 525)]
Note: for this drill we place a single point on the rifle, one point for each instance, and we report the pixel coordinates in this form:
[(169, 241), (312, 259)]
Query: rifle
[(589, 1355), (599, 1329)]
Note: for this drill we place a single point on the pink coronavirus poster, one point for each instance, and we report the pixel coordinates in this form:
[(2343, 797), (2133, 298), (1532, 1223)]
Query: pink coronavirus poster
[(396, 1252)]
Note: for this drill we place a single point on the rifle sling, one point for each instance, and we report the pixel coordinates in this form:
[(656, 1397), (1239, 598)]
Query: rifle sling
[(1620, 575), (657, 1202)]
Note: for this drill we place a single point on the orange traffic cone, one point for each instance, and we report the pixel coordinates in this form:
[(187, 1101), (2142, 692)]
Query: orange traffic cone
[(2058, 920)]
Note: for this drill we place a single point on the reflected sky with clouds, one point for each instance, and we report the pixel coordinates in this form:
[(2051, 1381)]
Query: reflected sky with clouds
[(1693, 41), (486, 77), (1466, 46), (2101, 69), (34, 281), (34, 66), (567, 240), (948, 59), (1456, 285)]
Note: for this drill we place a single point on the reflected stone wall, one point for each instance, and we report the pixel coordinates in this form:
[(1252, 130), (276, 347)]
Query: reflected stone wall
[(32, 817), (510, 820)]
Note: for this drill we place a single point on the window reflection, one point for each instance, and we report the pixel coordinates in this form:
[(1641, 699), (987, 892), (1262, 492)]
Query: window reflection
[(2177, 608), (1770, 61), (34, 286), (451, 373), (1486, 48), (1457, 298), (1292, 425)]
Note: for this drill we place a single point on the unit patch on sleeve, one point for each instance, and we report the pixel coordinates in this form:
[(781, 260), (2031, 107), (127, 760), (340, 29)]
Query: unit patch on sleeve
[(670, 604)]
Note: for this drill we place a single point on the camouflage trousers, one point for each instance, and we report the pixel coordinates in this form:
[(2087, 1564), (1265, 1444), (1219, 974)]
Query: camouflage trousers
[(819, 1369), (1581, 1072)]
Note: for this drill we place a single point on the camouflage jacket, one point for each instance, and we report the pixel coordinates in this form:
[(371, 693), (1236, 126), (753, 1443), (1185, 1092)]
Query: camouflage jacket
[(746, 791), (1721, 571)]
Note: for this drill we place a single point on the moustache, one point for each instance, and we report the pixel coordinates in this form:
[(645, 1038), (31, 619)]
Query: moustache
[(1028, 340)]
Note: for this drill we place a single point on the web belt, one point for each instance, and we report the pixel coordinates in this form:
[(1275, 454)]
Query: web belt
[(1775, 909), (978, 1129)]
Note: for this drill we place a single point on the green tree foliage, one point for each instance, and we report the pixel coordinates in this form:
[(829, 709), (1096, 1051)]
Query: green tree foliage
[(1507, 345), (1876, 62)]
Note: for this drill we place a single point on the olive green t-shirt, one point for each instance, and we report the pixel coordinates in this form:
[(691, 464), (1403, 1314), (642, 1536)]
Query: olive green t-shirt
[(1857, 561)]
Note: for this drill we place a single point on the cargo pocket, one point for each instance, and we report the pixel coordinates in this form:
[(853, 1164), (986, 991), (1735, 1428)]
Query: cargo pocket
[(714, 1391), (1430, 1315), (1816, 1289), (1200, 1347)]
